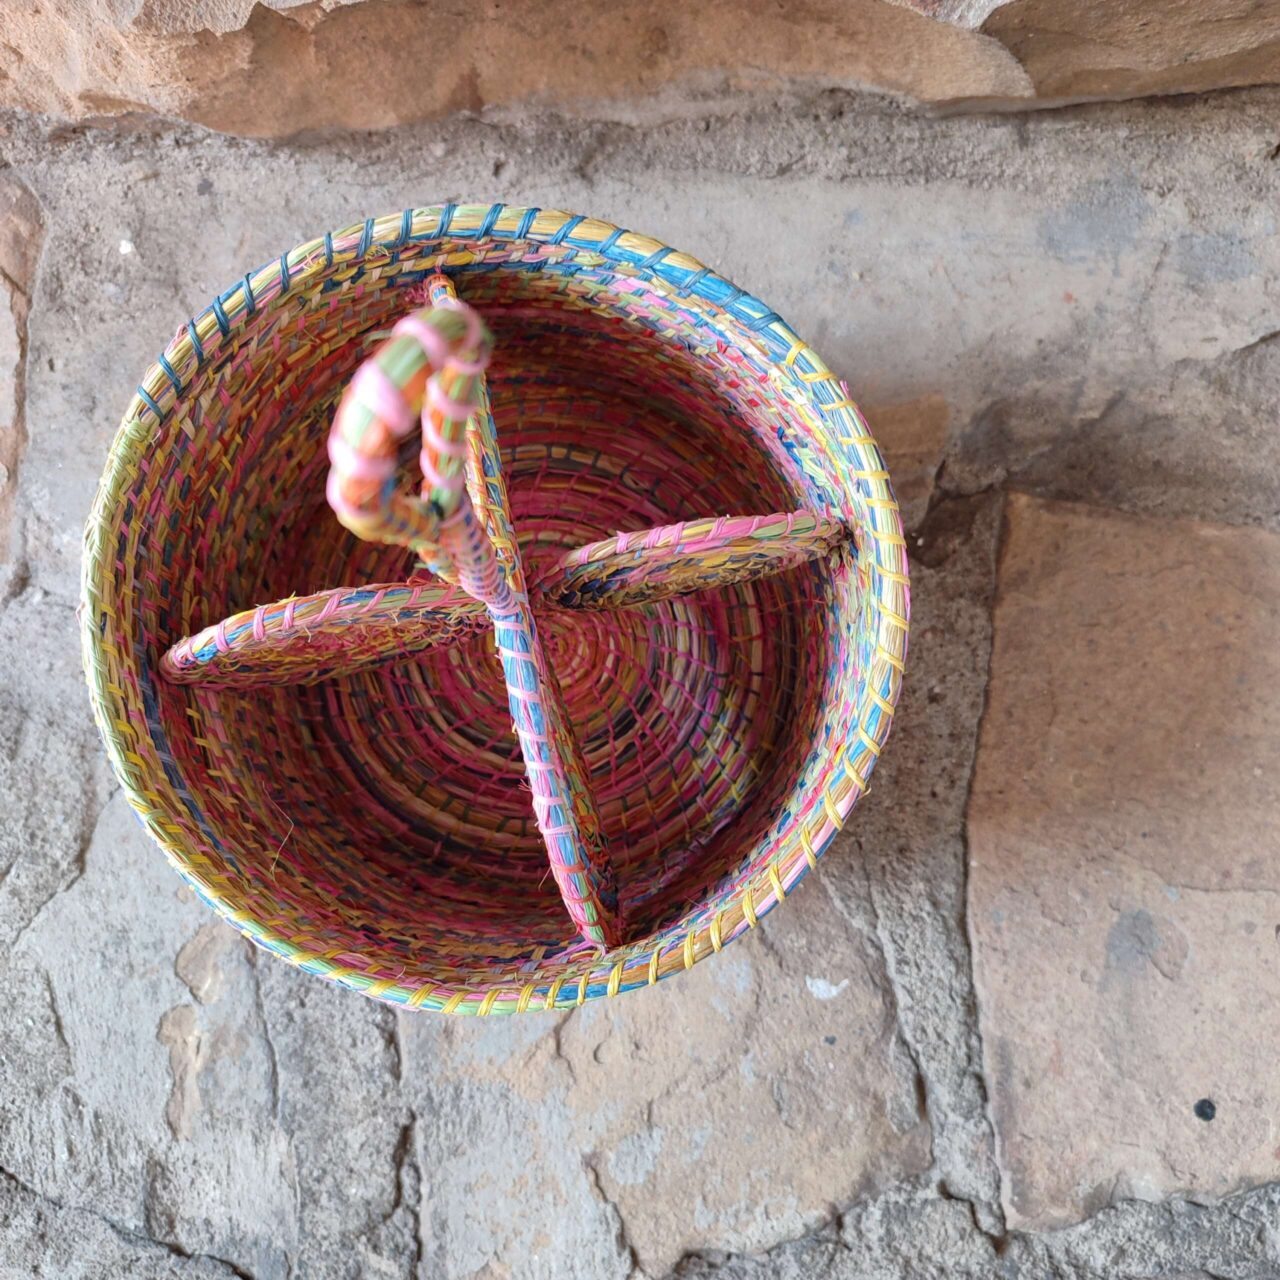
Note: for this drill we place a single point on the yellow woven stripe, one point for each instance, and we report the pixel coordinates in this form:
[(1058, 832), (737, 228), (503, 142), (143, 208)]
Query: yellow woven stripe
[(889, 539), (807, 841), (776, 880), (833, 814), (891, 658)]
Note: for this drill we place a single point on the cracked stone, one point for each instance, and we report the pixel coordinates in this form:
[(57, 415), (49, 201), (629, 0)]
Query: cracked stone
[(1124, 880), (354, 1176), (199, 963), (900, 866), (21, 233), (284, 66), (729, 1108), (45, 1240), (53, 779), (156, 1120), (913, 436)]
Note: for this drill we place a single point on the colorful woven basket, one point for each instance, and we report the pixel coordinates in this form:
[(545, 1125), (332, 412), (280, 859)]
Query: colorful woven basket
[(471, 748)]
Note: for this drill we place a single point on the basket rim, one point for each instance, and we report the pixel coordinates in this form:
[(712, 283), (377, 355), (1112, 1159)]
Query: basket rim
[(880, 542)]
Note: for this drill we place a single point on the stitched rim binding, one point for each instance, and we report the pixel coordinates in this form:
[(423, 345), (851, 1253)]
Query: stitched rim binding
[(824, 436)]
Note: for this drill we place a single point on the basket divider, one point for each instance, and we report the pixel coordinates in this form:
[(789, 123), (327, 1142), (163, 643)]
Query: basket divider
[(304, 639)]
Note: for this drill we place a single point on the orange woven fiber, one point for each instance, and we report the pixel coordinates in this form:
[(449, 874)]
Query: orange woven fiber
[(613, 667)]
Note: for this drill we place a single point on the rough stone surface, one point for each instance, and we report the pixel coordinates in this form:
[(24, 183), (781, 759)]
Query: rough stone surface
[(908, 1233), (21, 232), (913, 436), (1124, 48), (1125, 880), (279, 68), (730, 1109), (1079, 305), (48, 1241), (285, 66)]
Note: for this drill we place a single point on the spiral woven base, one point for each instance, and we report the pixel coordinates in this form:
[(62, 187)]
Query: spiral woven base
[(370, 819)]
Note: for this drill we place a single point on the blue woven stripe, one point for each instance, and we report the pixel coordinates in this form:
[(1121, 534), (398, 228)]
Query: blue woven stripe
[(566, 231), (220, 316), (486, 227), (169, 373)]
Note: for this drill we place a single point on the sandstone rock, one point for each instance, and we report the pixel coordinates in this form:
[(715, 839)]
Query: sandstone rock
[(281, 67), (1126, 48), (257, 1122), (21, 232), (1125, 881), (287, 65), (728, 1108), (41, 1238), (913, 436)]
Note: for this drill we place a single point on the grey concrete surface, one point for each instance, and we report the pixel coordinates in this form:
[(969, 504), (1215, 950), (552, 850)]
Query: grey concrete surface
[(1092, 294)]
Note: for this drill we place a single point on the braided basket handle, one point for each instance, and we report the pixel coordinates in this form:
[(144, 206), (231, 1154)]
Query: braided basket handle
[(432, 367)]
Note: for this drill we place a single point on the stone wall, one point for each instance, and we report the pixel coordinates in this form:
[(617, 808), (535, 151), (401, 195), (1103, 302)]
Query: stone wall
[(280, 67), (978, 1042)]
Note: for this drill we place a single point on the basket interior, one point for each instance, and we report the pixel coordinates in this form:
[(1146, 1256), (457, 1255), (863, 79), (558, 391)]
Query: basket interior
[(382, 818)]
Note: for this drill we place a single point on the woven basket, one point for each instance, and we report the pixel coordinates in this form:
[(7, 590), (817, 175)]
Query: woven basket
[(470, 748)]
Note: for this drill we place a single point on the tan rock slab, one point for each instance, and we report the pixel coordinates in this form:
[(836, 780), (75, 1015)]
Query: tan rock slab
[(1127, 48), (731, 1107), (281, 66), (21, 233), (276, 68), (913, 436), (1124, 897)]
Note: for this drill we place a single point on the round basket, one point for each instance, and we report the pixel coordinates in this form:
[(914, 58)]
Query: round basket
[(562, 722)]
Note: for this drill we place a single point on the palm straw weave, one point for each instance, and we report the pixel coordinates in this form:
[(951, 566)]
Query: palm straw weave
[(564, 722)]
